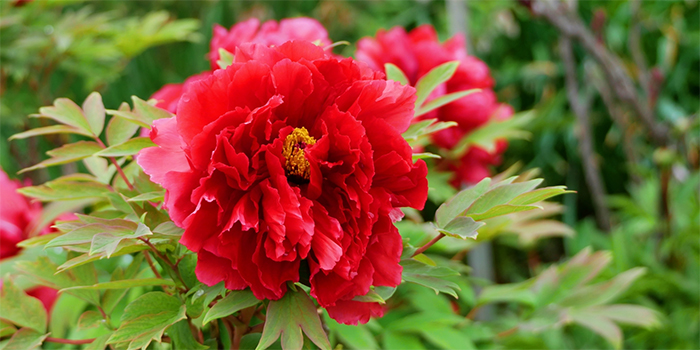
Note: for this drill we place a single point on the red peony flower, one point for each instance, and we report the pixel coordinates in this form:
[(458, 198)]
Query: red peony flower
[(419, 51), (270, 33), (289, 166), (17, 215)]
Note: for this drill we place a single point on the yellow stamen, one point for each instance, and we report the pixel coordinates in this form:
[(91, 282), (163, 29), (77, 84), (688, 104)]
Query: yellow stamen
[(293, 151)]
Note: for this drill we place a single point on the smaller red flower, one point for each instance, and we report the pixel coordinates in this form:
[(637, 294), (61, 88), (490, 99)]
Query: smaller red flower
[(419, 51)]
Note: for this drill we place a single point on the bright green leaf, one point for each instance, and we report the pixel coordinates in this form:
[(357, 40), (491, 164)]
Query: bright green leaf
[(433, 79), (119, 130), (48, 130), (90, 319), (462, 227), (25, 339), (123, 284), (94, 112), (66, 112), (127, 148), (460, 202), (66, 154), (395, 73), (225, 58), (443, 100)]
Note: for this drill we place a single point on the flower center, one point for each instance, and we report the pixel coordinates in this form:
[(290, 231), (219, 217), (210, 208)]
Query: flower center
[(296, 166)]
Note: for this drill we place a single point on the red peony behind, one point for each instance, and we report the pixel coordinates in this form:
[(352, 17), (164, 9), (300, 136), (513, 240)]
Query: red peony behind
[(17, 217), (419, 51), (289, 166), (270, 33)]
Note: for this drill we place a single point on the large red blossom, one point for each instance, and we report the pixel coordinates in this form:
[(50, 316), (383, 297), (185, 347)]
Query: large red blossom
[(289, 166), (250, 31), (18, 217), (419, 51)]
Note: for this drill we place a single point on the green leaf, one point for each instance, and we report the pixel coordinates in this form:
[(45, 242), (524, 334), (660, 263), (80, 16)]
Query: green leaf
[(85, 234), (539, 195), (6, 329), (604, 292), (503, 209), (401, 341), (514, 292), (433, 79), (376, 295), (90, 319), (22, 309), (146, 318), (182, 337), (148, 113), (600, 325), (65, 190), (94, 112), (120, 130), (355, 337), (462, 227), (66, 154), (395, 73), (288, 317), (100, 343), (129, 116), (486, 135), (635, 315), (425, 155), (45, 272), (25, 339), (225, 58), (501, 194), (460, 202), (236, 300), (150, 196), (66, 112), (111, 297), (416, 322), (48, 130), (443, 100), (417, 133), (123, 284), (123, 249), (429, 276), (448, 338), (107, 242), (38, 240), (127, 148)]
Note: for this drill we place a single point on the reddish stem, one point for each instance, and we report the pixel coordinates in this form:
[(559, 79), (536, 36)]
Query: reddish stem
[(119, 168), (70, 341), (427, 245)]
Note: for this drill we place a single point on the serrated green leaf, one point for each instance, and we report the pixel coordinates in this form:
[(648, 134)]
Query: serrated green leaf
[(107, 242), (236, 300), (25, 339), (65, 190), (429, 276), (90, 319), (431, 80), (94, 111), (443, 100), (66, 112), (288, 318), (49, 130), (120, 130), (127, 148), (395, 73), (22, 309), (85, 233), (146, 318), (460, 202), (462, 227), (67, 154), (123, 284), (182, 337)]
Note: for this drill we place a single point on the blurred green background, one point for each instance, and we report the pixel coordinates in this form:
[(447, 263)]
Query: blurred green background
[(51, 49)]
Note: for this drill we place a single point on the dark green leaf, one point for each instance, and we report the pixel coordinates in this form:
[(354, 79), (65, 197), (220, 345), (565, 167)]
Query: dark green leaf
[(146, 318), (182, 337), (355, 337)]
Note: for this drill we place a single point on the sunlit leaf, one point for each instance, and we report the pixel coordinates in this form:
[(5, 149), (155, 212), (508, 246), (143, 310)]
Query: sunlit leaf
[(235, 300), (67, 154), (22, 309)]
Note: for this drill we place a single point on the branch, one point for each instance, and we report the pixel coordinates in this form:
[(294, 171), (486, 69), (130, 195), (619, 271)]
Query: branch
[(572, 26), (428, 245), (585, 135), (69, 341)]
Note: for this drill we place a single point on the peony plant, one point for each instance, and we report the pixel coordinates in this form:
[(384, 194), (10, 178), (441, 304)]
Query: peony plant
[(263, 193)]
